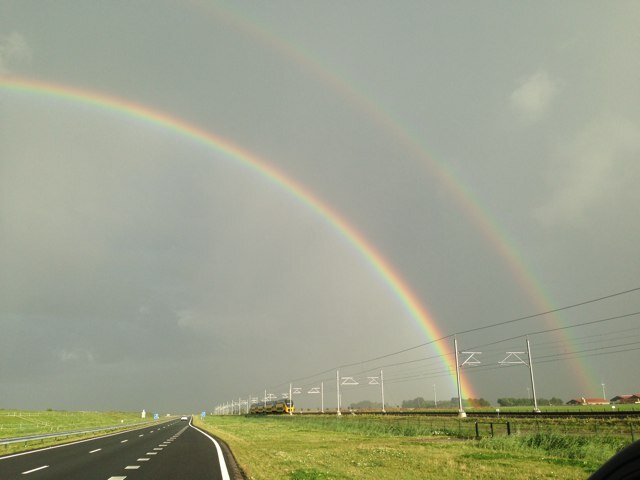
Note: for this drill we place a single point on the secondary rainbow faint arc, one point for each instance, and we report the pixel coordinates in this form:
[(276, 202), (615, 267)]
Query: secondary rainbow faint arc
[(393, 280), (495, 235)]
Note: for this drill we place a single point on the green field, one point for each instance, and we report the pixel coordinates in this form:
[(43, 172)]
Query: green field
[(393, 447), (16, 423)]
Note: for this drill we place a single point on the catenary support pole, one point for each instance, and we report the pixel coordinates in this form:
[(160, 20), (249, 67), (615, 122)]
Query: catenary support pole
[(435, 397), (461, 412), (382, 390), (338, 387), (533, 384)]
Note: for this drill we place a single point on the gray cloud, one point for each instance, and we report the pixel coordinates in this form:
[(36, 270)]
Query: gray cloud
[(593, 173), (533, 98), (14, 51), (130, 253)]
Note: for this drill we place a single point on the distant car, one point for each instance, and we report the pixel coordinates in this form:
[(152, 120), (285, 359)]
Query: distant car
[(184, 417)]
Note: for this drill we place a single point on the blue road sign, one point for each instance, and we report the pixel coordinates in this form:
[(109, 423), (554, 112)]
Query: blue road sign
[(203, 414), (156, 416)]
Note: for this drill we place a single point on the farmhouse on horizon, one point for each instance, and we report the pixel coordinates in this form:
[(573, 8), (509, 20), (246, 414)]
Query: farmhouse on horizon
[(633, 398), (588, 401)]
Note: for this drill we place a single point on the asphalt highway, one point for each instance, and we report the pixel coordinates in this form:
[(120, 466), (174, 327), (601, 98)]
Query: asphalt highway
[(171, 450)]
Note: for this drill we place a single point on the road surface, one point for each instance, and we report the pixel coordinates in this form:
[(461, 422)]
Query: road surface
[(171, 450)]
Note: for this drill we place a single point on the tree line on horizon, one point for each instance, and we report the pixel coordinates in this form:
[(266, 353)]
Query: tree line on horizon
[(523, 402)]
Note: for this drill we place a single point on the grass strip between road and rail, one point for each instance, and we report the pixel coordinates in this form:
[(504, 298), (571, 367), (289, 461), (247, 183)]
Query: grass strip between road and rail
[(374, 447)]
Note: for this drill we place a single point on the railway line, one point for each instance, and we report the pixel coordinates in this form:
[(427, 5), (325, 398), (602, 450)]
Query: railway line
[(491, 414)]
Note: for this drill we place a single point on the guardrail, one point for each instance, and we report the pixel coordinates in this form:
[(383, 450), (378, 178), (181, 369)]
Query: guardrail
[(31, 438)]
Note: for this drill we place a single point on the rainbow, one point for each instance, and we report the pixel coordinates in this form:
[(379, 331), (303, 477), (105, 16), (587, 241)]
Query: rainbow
[(495, 236), (268, 172)]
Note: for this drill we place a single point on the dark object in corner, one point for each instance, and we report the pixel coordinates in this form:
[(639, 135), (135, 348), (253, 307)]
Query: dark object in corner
[(624, 465)]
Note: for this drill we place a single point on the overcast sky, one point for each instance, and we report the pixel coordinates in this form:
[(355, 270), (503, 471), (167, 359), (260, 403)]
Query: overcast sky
[(139, 269)]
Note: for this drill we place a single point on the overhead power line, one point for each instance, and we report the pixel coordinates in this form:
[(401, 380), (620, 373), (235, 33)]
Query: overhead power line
[(484, 327), (488, 367), (548, 330), (519, 319), (424, 344)]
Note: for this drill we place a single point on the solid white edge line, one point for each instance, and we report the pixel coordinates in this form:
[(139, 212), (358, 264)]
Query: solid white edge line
[(223, 464), (35, 469), (72, 443)]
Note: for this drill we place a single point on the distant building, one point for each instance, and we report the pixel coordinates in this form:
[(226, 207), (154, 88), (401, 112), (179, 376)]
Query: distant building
[(633, 398), (588, 401)]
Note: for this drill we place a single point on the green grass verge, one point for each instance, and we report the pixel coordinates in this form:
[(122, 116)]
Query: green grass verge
[(392, 448), (16, 423)]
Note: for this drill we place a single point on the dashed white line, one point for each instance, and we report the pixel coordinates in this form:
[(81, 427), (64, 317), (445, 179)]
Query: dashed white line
[(142, 435), (158, 449), (151, 453), (35, 470), (142, 459), (125, 441), (116, 478), (132, 467), (96, 450)]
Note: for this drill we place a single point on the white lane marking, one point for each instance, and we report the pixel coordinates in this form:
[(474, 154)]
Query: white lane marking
[(142, 459), (96, 450), (116, 478), (132, 467), (35, 469), (223, 464), (158, 449), (152, 430), (125, 441), (151, 453), (30, 452), (141, 435)]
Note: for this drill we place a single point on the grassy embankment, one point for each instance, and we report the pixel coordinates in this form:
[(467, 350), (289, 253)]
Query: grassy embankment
[(23, 423), (363, 447)]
